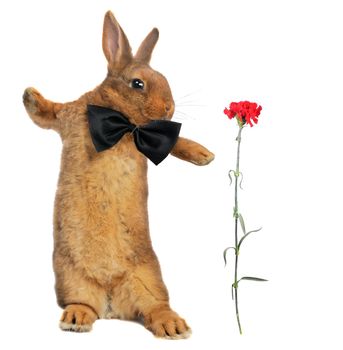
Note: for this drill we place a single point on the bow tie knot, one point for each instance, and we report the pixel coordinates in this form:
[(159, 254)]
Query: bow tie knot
[(155, 139)]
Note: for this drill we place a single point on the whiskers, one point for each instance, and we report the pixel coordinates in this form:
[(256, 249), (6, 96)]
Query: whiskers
[(178, 115), (187, 102)]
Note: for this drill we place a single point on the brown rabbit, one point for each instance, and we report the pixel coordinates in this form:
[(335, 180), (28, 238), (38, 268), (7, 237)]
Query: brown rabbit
[(104, 263)]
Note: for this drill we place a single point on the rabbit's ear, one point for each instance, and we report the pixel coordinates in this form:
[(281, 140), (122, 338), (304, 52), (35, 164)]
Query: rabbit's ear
[(145, 50), (115, 44)]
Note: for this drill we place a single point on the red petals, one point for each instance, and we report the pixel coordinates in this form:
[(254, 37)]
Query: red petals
[(231, 114), (245, 111)]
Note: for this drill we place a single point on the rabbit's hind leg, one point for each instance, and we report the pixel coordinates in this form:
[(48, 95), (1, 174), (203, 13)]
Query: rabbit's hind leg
[(82, 298), (153, 304), (83, 303), (146, 294)]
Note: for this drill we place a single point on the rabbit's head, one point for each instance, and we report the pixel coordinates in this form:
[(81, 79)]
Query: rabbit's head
[(132, 86)]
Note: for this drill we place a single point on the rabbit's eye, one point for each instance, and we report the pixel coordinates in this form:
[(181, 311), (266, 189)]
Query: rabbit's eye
[(137, 84)]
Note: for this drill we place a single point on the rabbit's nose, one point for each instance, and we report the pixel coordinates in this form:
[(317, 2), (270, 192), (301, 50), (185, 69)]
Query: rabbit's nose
[(169, 108)]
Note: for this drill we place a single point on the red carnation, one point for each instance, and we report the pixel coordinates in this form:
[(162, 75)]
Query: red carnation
[(245, 111)]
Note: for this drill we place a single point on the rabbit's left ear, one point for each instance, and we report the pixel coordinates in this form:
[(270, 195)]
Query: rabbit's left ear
[(145, 50), (115, 44)]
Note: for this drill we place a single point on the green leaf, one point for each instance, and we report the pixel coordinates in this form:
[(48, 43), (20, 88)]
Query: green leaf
[(252, 279), (230, 176), (240, 217), (225, 251), (245, 236), (240, 184)]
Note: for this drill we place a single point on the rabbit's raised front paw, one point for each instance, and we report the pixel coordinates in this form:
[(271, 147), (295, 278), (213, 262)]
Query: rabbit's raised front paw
[(203, 157), (31, 99)]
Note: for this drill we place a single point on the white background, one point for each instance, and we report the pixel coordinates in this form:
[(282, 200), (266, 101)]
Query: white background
[(285, 55)]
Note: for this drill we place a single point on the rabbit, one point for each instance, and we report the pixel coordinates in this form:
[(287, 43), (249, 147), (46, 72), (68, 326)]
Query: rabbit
[(103, 259)]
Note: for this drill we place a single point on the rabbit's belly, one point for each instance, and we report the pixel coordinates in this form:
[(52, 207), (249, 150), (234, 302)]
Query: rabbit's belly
[(103, 248), (105, 240), (103, 224)]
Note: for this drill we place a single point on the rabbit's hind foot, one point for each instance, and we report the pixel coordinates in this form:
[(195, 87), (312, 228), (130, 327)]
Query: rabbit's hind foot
[(167, 324), (77, 318)]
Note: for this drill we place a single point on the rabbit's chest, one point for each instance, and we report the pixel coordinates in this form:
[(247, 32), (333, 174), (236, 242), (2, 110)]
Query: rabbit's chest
[(119, 176), (116, 211)]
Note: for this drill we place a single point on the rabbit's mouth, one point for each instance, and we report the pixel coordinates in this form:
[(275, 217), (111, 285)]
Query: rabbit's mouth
[(164, 117)]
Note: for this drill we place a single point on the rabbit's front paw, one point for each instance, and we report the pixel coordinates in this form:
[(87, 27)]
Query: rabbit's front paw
[(167, 324), (32, 100), (77, 318), (202, 157)]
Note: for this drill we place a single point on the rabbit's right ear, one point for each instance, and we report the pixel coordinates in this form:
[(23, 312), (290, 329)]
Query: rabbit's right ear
[(115, 44)]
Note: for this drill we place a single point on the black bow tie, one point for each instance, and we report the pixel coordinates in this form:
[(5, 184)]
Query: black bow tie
[(155, 139)]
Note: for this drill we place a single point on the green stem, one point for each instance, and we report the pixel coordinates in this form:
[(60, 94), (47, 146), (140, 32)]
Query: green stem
[(238, 139)]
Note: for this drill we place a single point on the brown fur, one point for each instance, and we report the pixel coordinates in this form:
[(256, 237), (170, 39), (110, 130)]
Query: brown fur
[(104, 263)]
